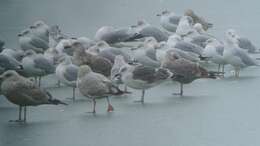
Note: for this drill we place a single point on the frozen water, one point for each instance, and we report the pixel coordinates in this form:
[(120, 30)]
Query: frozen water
[(220, 112)]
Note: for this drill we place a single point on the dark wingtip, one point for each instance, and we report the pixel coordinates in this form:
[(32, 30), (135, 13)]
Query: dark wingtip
[(203, 57), (57, 102)]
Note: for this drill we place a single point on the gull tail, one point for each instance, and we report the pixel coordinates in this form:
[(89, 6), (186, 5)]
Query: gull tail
[(116, 91), (203, 57), (134, 37), (54, 101)]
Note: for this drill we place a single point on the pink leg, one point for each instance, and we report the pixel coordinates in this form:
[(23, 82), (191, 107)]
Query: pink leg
[(110, 107)]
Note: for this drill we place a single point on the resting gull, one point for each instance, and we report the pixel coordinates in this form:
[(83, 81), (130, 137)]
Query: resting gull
[(94, 86), (97, 63), (236, 56), (36, 65), (23, 92), (185, 71), (142, 77), (66, 73), (197, 19), (169, 20), (113, 35), (148, 30)]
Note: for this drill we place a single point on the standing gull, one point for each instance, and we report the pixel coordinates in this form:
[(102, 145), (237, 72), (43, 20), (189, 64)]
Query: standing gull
[(36, 65), (142, 77), (67, 73), (23, 92), (94, 86), (214, 50), (185, 71), (236, 56)]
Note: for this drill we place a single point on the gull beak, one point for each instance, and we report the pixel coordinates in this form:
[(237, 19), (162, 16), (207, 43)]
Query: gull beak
[(117, 76)]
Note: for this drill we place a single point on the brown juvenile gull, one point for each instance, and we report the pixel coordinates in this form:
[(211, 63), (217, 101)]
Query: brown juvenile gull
[(185, 71), (103, 49), (95, 86), (23, 92), (97, 63), (197, 19), (142, 77)]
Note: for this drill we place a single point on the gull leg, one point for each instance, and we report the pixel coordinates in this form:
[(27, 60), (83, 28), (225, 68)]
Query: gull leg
[(24, 114), (19, 116), (110, 107), (181, 90), (39, 83), (218, 67), (94, 106), (223, 70), (73, 94), (142, 97)]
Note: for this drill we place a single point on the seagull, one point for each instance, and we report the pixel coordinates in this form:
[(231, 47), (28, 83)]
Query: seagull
[(97, 63), (10, 63), (169, 20), (236, 56), (23, 92), (95, 86), (146, 53), (66, 73), (184, 70), (142, 77), (116, 35), (41, 30), (214, 50), (147, 30), (36, 65), (244, 43), (27, 42), (175, 41), (197, 19), (18, 54), (103, 49), (185, 26)]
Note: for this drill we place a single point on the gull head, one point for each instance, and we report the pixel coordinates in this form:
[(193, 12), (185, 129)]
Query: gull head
[(8, 74), (84, 70)]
